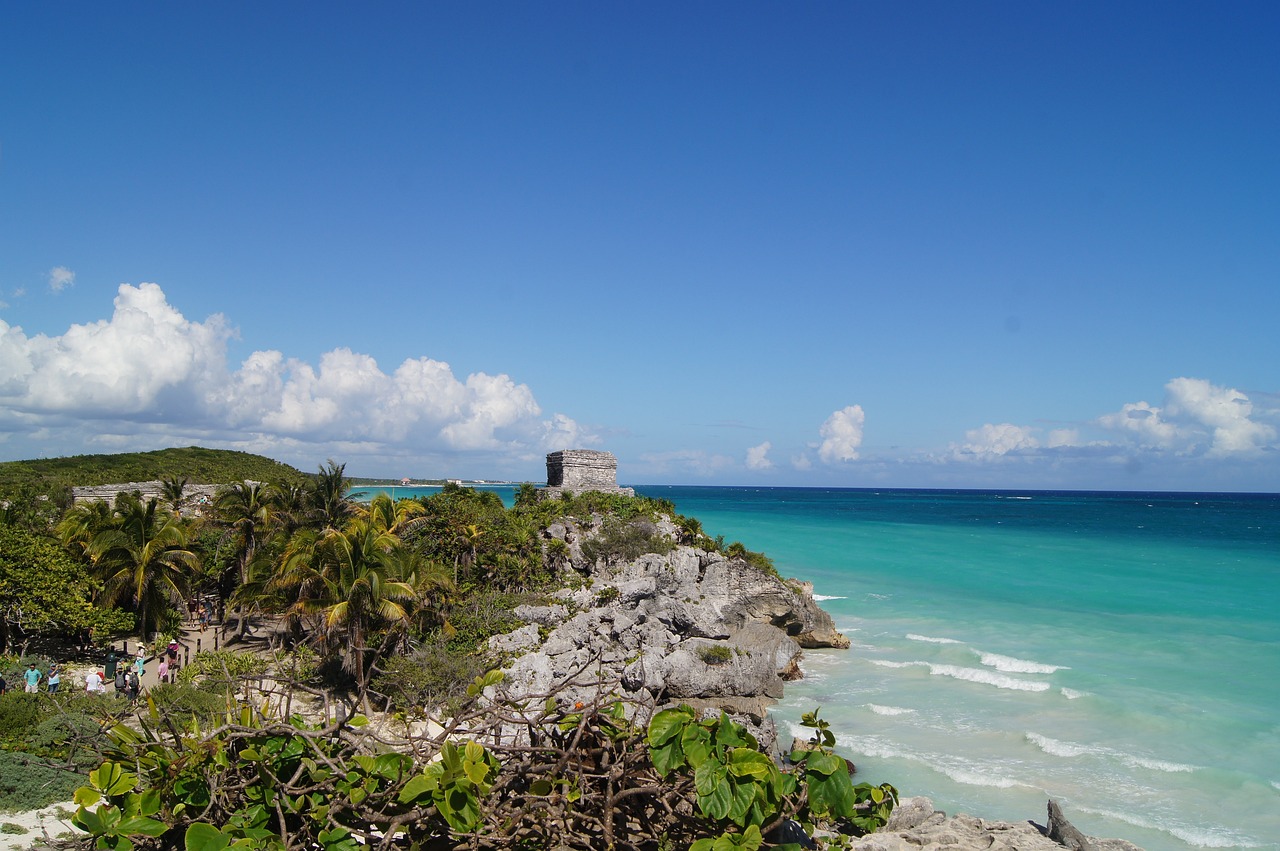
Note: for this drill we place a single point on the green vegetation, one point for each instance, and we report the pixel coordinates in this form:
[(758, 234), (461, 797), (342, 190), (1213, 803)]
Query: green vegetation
[(584, 777), (205, 466), (715, 654), (388, 604)]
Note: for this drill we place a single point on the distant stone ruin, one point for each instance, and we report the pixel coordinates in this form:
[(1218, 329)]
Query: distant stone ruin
[(581, 470), (196, 498)]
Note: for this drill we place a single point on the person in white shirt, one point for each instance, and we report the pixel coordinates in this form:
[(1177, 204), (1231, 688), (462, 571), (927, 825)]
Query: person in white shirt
[(93, 683)]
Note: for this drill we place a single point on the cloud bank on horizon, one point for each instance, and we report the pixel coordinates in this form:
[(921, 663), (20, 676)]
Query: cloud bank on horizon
[(148, 377)]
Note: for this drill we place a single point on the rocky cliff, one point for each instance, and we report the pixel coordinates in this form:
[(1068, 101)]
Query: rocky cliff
[(682, 626)]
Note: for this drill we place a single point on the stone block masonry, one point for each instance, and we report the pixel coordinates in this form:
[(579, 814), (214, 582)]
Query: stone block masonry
[(580, 470)]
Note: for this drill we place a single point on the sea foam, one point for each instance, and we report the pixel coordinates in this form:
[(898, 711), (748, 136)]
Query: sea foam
[(914, 637), (978, 675), (1054, 747), (821, 597), (1013, 665), (1200, 836), (888, 710)]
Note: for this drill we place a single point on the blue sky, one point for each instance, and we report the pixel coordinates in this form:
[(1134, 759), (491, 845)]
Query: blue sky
[(830, 244)]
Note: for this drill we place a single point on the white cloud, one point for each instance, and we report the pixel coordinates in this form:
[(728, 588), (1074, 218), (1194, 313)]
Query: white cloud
[(758, 457), (60, 277), (801, 462), (1197, 416), (994, 441), (1224, 410), (842, 435), (148, 369), (1060, 438)]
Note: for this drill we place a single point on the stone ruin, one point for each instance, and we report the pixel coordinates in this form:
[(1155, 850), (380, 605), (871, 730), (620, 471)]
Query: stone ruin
[(581, 470)]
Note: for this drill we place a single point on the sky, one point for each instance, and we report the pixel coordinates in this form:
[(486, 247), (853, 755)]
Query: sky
[(830, 244)]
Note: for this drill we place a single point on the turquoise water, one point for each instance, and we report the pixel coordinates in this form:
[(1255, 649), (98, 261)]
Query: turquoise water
[(1120, 652)]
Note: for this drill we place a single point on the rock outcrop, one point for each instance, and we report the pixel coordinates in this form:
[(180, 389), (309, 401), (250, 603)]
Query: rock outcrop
[(688, 626), (916, 825)]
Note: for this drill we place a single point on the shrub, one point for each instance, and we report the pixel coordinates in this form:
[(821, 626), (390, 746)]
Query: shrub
[(28, 782), (620, 540), (715, 654), (186, 701), (224, 666), (431, 677), (484, 614), (19, 715)]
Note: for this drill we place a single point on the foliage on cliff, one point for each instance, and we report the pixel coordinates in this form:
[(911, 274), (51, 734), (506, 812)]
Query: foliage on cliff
[(576, 777)]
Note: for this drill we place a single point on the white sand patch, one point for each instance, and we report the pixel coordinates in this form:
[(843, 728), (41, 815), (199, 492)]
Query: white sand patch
[(50, 820)]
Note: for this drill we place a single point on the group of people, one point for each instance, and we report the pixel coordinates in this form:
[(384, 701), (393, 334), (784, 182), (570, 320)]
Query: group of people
[(124, 675)]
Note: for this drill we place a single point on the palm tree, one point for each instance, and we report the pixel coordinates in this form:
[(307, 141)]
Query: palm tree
[(327, 503), (82, 523), (404, 518), (247, 510), (351, 578), (142, 557), (174, 492)]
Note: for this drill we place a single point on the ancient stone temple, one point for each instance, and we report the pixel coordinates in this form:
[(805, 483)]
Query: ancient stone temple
[(579, 470)]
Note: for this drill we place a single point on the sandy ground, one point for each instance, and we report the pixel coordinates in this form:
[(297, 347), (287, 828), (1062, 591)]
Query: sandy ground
[(53, 820)]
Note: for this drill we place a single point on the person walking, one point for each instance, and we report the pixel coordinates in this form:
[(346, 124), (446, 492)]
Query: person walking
[(54, 679), (32, 676), (134, 688), (163, 670), (140, 664), (93, 682)]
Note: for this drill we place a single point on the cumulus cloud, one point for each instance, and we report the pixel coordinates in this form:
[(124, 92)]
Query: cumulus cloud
[(60, 277), (841, 435), (1196, 417), (996, 440), (149, 368), (758, 457)]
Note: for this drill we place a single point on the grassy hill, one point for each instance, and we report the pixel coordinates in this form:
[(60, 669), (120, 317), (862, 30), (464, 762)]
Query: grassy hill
[(197, 465)]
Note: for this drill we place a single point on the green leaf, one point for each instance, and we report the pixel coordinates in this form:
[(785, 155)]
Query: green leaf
[(142, 825), (702, 845), (205, 837), (667, 724), (419, 786), (89, 821), (826, 763), (112, 780), (87, 796), (695, 741), (668, 757), (745, 762)]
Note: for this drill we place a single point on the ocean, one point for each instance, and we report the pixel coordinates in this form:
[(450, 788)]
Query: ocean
[(1119, 652)]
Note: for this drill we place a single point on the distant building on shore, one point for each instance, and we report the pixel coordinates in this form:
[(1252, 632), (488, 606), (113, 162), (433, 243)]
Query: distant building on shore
[(581, 470)]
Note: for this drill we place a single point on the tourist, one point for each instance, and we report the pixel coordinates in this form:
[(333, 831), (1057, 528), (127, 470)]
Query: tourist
[(121, 682), (134, 687), (32, 676), (93, 682), (163, 670), (55, 679), (140, 664)]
